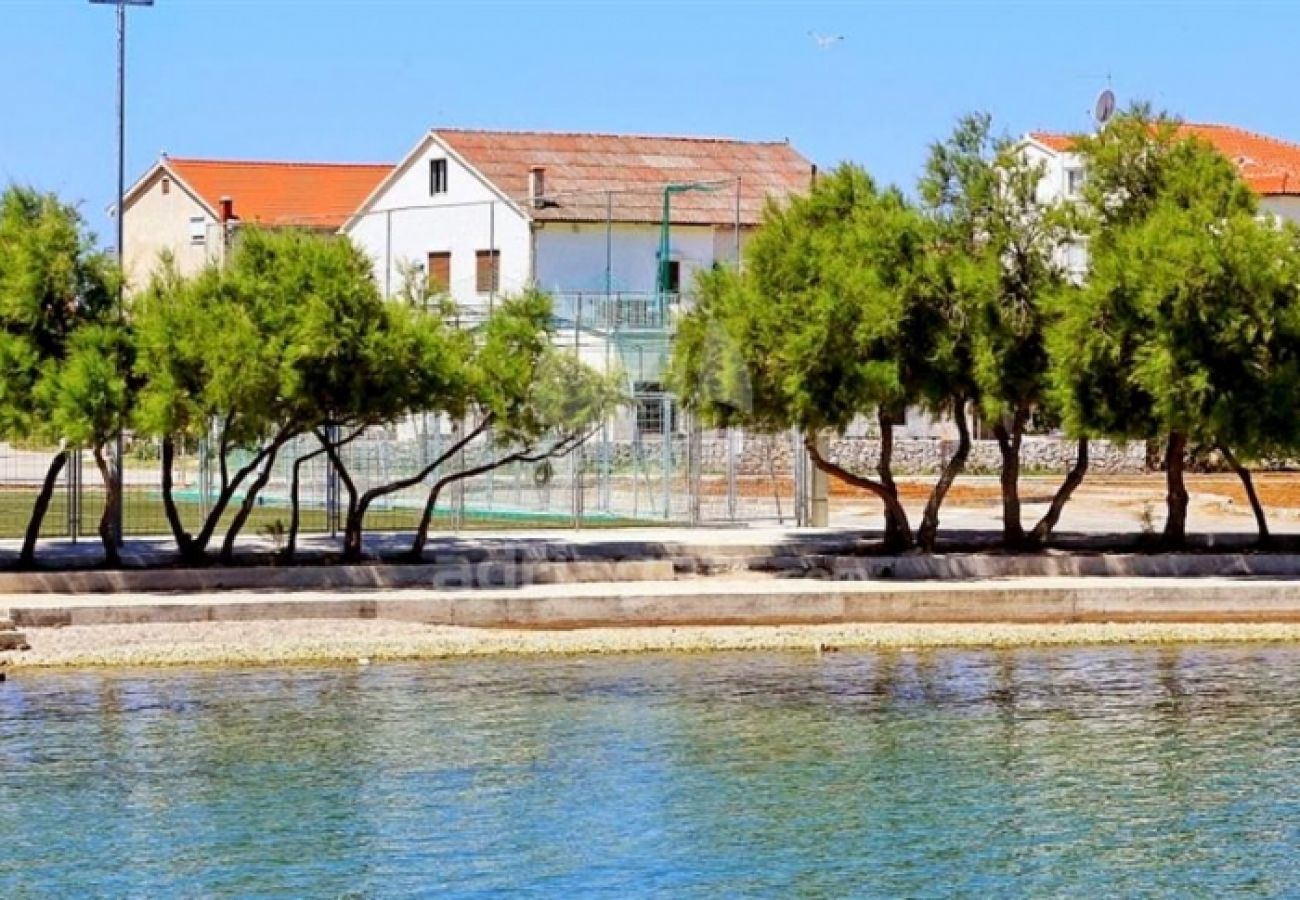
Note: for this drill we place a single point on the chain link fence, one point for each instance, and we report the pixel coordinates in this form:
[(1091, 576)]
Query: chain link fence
[(622, 476), (647, 465)]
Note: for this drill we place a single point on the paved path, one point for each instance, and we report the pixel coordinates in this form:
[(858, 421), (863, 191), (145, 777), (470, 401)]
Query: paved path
[(704, 601)]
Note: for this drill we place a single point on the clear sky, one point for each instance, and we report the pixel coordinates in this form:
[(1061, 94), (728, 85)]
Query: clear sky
[(361, 80)]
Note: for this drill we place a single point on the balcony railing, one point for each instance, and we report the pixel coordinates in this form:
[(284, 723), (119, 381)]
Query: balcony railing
[(619, 311)]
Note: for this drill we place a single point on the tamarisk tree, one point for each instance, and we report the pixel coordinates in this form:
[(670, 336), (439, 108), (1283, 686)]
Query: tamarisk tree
[(87, 396), (229, 357), (397, 359), (1187, 325), (519, 395), (52, 283), (982, 192), (846, 308)]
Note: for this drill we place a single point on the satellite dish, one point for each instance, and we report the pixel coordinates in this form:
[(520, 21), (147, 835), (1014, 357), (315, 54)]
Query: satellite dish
[(1105, 106)]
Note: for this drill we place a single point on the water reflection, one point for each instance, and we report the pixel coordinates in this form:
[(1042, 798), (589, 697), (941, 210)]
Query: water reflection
[(1154, 771)]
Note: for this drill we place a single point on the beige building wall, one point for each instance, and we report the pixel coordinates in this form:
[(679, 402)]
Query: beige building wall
[(156, 222)]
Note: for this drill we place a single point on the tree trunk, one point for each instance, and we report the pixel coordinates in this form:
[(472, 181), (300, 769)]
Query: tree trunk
[(1043, 529), (291, 540), (246, 508), (898, 532), (357, 508), (112, 558), (27, 557), (928, 533), (1249, 484), (559, 448), (351, 521), (181, 536), (416, 553), (1175, 535), (1013, 531), (228, 487)]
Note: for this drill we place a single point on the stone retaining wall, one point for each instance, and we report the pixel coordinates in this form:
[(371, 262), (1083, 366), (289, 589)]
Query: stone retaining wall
[(924, 456)]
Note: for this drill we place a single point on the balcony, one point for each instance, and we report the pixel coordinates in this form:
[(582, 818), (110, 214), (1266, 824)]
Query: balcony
[(620, 311)]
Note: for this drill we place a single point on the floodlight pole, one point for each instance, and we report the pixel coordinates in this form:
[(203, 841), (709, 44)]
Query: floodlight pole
[(119, 450)]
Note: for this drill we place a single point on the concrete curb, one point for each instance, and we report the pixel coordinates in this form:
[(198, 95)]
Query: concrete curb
[(443, 575), (1055, 601), (513, 566), (1055, 565)]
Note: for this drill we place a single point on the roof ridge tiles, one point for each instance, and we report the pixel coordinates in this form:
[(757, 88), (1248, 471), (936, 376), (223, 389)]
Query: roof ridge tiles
[(1257, 135), (302, 164), (608, 134)]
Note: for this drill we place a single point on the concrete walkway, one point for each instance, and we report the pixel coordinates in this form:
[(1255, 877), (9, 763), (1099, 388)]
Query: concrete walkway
[(704, 601)]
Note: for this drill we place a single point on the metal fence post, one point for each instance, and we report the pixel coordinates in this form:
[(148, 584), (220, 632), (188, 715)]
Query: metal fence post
[(731, 474), (73, 475), (332, 487), (694, 452)]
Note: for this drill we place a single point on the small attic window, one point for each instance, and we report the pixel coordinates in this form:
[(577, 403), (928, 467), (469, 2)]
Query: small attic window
[(166, 185), (437, 176)]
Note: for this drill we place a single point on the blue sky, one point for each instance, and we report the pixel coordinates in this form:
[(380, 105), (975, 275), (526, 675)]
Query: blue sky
[(360, 80)]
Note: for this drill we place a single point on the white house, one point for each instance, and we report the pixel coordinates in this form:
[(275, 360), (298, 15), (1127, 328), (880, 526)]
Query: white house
[(582, 216), (187, 206), (586, 217), (1269, 166)]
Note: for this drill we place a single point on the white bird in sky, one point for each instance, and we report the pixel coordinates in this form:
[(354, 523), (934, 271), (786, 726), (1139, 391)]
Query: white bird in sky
[(825, 41)]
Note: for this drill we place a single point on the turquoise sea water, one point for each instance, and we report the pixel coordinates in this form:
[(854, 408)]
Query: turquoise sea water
[(1062, 773)]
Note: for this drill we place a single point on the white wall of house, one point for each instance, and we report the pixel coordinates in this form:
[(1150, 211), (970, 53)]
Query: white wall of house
[(155, 222), (572, 256), (1061, 181), (1285, 207), (1056, 185), (407, 222)]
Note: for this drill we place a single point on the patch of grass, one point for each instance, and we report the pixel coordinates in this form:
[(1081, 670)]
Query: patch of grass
[(144, 515)]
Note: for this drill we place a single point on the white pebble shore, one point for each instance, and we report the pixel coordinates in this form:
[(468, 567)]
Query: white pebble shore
[(335, 640)]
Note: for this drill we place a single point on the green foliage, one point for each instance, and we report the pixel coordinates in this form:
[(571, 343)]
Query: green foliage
[(291, 334), (1004, 247), (86, 396), (1188, 320), (51, 276), (841, 309), (52, 282), (528, 386)]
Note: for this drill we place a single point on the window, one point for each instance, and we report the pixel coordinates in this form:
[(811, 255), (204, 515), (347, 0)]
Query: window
[(166, 186), (651, 406), (437, 176), (674, 277), (1073, 182), (198, 230), (487, 275), (439, 272)]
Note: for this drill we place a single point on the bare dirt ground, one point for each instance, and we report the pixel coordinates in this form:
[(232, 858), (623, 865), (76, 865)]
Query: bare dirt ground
[(1102, 503)]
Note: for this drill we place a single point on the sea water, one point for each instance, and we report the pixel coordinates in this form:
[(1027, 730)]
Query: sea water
[(1073, 773)]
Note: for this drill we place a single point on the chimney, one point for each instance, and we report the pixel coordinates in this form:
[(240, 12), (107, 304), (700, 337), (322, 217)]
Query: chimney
[(537, 186), (227, 209)]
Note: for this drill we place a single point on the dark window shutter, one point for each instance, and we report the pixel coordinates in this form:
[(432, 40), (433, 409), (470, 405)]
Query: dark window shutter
[(439, 272), (488, 271)]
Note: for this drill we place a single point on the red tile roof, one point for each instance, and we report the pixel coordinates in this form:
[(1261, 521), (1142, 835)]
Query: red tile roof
[(582, 170), (1269, 166), (311, 195)]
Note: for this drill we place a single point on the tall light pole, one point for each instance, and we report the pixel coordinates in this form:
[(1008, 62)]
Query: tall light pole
[(121, 5)]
